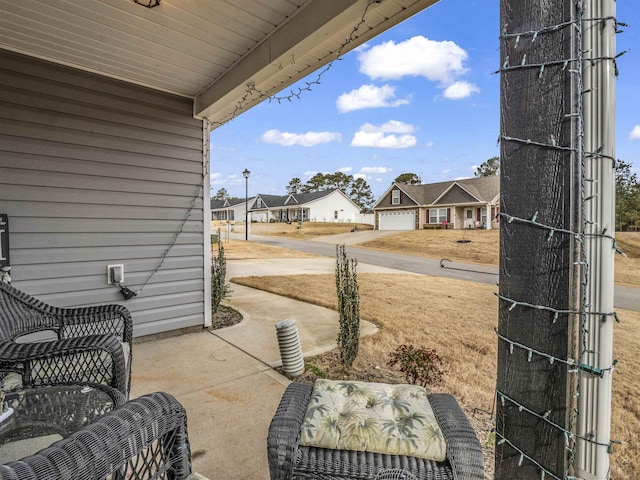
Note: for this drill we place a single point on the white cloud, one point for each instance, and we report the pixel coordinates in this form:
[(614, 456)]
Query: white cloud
[(429, 144), (392, 126), (359, 175), (418, 56), (460, 89), (309, 139), (380, 140), (635, 133), (370, 170), (345, 169), (218, 179), (446, 172), (383, 136), (369, 96)]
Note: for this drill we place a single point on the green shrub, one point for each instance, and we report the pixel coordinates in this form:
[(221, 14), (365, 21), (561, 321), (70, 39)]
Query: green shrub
[(421, 366), (348, 306), (219, 289)]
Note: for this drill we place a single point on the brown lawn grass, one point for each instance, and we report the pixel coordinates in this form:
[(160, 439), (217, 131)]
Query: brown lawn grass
[(456, 318), (485, 248), (240, 250), (308, 231)]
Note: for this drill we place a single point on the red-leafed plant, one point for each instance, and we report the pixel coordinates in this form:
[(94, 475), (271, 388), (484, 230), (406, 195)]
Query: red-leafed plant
[(420, 365)]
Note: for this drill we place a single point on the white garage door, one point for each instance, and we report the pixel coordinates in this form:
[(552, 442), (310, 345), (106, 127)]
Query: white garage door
[(402, 220)]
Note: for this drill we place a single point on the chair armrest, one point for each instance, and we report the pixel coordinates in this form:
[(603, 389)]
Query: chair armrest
[(101, 319), (69, 360), (141, 439), (463, 448), (284, 431)]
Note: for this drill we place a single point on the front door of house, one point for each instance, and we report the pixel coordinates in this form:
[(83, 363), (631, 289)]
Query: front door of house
[(468, 218)]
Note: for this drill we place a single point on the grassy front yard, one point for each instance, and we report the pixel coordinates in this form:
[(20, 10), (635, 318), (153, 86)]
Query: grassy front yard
[(456, 318)]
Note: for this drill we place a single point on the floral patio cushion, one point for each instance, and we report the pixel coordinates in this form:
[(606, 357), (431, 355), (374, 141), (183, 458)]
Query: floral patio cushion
[(372, 417)]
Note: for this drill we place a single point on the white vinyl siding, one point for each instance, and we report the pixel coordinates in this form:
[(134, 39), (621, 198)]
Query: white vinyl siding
[(323, 209), (94, 172)]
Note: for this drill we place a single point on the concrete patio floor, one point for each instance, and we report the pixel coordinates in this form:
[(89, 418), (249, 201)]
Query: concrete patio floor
[(225, 378)]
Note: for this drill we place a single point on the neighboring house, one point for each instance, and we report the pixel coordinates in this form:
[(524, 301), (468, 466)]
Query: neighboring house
[(107, 109), (468, 203), (322, 206), (231, 210)]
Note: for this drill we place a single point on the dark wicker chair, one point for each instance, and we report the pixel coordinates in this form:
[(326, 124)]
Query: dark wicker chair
[(90, 344), (290, 460), (145, 438)]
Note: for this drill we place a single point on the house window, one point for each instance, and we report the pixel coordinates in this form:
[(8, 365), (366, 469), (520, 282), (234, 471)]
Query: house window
[(395, 197), (437, 215), (483, 215), (470, 213), (335, 214)]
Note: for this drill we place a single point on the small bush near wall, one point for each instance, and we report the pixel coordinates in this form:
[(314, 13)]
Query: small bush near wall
[(219, 289)]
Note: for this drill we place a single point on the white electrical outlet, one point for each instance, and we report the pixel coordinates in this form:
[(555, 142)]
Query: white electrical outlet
[(115, 274)]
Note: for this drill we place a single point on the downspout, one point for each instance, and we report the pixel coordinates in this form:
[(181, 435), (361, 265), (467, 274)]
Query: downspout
[(599, 85), (206, 221)]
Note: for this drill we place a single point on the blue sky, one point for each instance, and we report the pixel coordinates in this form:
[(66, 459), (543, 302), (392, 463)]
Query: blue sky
[(422, 98)]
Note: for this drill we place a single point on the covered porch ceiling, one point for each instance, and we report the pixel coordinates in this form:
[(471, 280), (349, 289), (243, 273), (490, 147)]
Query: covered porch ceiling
[(212, 51)]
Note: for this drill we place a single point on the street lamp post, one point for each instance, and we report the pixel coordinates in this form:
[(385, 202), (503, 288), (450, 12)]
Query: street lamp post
[(246, 174)]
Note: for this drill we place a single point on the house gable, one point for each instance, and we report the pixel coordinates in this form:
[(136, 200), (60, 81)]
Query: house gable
[(456, 195), (291, 199), (387, 200)]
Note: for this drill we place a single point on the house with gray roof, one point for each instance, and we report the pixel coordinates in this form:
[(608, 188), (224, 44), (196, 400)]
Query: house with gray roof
[(230, 209), (467, 203), (322, 206)]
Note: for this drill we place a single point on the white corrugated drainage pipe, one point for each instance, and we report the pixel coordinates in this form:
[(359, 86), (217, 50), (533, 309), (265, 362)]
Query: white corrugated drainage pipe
[(290, 349)]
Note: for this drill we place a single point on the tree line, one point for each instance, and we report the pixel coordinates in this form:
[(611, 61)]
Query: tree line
[(359, 191)]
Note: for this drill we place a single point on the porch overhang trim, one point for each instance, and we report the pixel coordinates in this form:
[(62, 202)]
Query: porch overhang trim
[(273, 65)]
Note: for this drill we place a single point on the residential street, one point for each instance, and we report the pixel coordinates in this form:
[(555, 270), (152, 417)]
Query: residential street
[(625, 297)]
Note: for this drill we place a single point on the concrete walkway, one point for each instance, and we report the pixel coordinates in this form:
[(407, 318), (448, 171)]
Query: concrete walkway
[(225, 378)]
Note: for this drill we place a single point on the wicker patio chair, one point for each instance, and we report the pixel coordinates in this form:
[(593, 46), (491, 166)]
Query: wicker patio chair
[(145, 438), (290, 460), (89, 345)]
